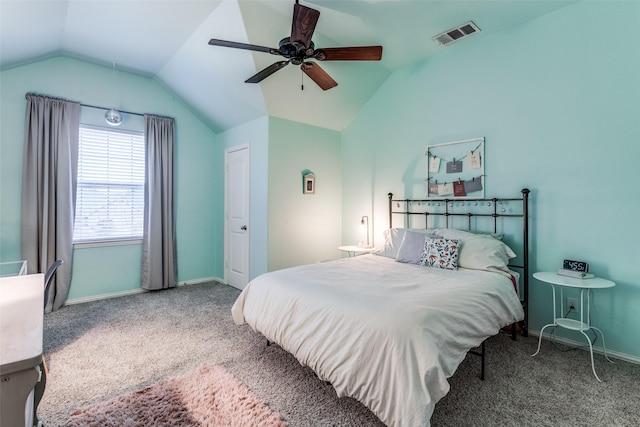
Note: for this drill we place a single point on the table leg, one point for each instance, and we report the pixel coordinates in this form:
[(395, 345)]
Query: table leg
[(540, 337), (604, 347), (593, 367), (14, 391)]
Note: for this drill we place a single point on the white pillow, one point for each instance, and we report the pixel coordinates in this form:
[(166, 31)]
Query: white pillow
[(498, 236), (478, 251), (393, 239), (412, 246)]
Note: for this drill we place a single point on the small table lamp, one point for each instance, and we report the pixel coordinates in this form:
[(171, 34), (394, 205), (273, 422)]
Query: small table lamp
[(364, 221)]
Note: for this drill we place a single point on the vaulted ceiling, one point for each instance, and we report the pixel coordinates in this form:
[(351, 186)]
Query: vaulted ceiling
[(167, 40)]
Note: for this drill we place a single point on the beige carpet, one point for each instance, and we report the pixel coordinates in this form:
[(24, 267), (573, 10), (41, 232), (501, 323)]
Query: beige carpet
[(209, 396), (95, 352)]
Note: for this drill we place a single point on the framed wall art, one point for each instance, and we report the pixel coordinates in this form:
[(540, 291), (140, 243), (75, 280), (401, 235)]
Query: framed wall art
[(455, 170)]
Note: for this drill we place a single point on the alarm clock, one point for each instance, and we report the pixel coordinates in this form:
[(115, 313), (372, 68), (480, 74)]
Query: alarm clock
[(575, 265)]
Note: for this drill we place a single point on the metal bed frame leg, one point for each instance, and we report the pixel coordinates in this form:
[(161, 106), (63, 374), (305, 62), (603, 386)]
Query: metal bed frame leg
[(482, 354)]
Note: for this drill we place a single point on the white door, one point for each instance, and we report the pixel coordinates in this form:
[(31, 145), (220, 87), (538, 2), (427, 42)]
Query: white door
[(237, 217)]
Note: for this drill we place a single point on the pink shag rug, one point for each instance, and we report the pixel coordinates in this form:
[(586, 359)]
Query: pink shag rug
[(209, 396)]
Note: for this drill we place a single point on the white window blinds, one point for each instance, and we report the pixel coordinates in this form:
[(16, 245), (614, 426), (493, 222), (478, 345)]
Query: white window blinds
[(110, 194)]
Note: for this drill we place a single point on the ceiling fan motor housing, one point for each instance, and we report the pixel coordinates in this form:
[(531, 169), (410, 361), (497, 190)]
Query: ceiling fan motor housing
[(296, 51)]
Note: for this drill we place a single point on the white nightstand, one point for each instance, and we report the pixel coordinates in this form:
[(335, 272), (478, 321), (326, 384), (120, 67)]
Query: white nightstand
[(354, 250), (584, 324)]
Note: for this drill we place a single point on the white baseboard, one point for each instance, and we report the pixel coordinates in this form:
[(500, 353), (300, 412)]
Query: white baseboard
[(584, 346), (137, 291), (103, 296), (201, 280)]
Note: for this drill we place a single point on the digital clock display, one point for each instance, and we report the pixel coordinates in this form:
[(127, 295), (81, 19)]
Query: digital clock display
[(575, 265)]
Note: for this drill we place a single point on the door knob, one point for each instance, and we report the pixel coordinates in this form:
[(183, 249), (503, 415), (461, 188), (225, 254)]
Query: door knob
[(243, 228)]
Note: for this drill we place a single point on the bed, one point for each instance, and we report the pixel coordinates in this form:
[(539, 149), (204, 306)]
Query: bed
[(386, 330)]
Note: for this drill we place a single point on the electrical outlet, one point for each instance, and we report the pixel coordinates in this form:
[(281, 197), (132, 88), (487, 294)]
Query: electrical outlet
[(572, 304)]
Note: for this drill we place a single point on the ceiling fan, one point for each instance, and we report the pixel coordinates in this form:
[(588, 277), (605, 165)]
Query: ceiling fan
[(298, 49)]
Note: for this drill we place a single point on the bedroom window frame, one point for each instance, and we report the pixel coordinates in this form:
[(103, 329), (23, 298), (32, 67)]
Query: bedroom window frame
[(110, 187)]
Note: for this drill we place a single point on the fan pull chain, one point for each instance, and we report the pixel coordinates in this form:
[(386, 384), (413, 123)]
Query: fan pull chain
[(301, 80)]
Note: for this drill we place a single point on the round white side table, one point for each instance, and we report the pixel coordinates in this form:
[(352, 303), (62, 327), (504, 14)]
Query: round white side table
[(584, 324), (354, 250)]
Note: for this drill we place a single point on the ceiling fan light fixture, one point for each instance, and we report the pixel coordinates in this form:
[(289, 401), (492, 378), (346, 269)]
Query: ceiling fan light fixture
[(113, 117)]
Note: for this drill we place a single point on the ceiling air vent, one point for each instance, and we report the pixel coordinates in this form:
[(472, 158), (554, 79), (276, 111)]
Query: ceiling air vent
[(457, 33)]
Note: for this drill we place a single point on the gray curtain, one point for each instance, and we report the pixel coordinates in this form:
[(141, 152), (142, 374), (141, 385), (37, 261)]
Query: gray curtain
[(159, 266), (49, 178)]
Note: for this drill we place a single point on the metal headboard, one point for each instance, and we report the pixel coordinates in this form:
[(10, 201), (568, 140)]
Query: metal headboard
[(446, 208)]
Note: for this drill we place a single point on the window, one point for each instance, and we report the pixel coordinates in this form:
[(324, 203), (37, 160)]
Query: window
[(110, 194)]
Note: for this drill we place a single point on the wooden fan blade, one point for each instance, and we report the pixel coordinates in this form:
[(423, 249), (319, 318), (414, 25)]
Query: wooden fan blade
[(304, 24), (236, 45), (318, 75), (261, 75), (356, 53)]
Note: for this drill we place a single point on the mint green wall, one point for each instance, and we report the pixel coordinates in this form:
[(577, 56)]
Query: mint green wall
[(106, 270), (303, 228), (557, 100), (288, 228), (254, 134)]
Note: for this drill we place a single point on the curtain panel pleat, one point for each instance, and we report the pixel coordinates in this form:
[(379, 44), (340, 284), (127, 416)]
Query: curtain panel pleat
[(159, 258), (49, 177)]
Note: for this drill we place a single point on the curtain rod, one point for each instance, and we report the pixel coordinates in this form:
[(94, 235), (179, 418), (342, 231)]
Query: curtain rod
[(26, 95), (106, 109)]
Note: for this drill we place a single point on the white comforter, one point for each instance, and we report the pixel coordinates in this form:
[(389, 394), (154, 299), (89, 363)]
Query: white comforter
[(386, 333)]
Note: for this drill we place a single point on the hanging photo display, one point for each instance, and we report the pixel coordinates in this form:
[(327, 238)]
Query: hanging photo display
[(433, 188), (474, 160), (463, 173), (454, 166), (434, 164), (458, 189)]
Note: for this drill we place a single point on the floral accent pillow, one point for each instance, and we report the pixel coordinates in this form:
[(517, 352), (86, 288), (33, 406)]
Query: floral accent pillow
[(440, 253)]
